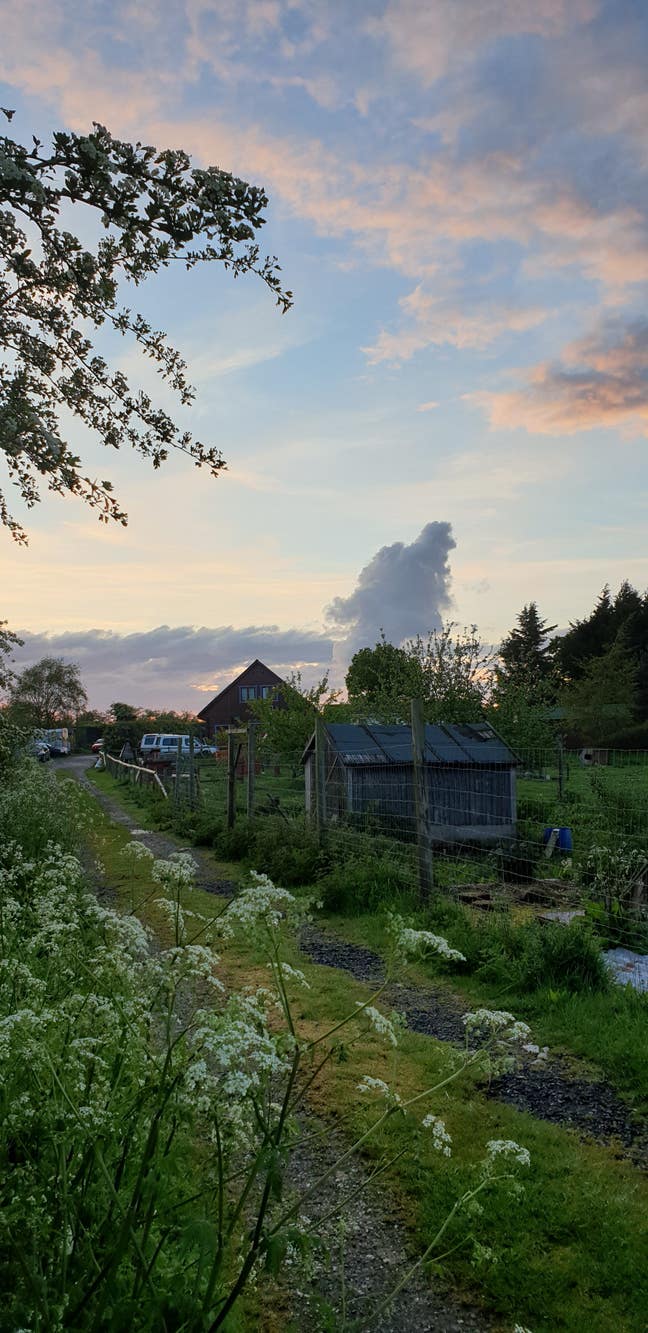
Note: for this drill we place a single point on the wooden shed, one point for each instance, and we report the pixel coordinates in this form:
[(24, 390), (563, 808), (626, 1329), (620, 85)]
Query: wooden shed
[(470, 776)]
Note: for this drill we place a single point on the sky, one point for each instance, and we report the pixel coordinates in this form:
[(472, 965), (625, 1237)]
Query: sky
[(452, 419)]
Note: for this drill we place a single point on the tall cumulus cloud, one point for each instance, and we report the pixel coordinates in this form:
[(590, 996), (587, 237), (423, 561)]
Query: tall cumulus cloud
[(403, 590)]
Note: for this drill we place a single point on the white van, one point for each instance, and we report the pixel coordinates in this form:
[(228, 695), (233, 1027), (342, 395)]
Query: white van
[(166, 746), (148, 744)]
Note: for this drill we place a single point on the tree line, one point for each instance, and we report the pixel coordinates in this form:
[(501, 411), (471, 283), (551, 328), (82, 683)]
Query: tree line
[(589, 684)]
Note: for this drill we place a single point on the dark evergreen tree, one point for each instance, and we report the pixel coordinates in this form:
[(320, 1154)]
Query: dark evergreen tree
[(621, 620), (526, 654)]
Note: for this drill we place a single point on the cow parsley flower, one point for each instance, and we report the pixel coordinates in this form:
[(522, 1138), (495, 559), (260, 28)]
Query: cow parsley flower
[(508, 1148), (290, 973), (441, 1140), (379, 1087), (379, 1022), (410, 942), (260, 903), (137, 851)]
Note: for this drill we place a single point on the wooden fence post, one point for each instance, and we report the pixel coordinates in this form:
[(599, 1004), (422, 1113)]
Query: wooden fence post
[(320, 776), (192, 774), (232, 757), (421, 802), (176, 785), (251, 761)]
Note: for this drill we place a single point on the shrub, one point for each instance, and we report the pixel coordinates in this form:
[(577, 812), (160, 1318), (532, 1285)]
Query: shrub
[(288, 853), (362, 884), (533, 956)]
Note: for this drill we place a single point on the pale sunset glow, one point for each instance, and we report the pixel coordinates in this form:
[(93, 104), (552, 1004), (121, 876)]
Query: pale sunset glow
[(452, 418)]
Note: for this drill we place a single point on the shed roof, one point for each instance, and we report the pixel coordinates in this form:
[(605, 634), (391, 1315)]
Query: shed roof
[(370, 744)]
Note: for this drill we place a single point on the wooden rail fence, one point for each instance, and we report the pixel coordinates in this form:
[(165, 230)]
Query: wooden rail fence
[(139, 776)]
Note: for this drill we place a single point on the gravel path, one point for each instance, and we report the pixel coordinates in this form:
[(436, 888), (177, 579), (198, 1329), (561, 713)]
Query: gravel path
[(77, 766), (361, 1270), (376, 1251), (551, 1093)]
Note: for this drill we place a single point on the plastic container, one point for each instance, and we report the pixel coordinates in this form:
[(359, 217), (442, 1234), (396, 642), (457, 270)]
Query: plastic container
[(564, 841)]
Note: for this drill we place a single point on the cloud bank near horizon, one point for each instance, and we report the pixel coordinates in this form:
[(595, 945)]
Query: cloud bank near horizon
[(402, 590)]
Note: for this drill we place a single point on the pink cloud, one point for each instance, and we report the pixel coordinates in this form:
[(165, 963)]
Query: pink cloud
[(602, 381), (434, 322), (425, 39)]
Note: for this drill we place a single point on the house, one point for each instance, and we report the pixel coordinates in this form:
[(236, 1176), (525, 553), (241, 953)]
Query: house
[(231, 706), (470, 776)]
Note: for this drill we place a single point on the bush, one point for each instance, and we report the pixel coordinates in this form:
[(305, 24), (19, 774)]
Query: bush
[(533, 957), (289, 853), (522, 958), (363, 884)]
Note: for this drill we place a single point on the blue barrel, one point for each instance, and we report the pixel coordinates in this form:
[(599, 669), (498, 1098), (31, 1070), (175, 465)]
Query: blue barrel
[(564, 841)]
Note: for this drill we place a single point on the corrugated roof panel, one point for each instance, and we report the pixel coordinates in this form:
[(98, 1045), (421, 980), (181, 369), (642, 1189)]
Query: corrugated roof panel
[(449, 743)]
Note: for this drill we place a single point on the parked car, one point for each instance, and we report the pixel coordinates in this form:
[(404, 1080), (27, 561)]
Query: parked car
[(165, 746), (38, 749), (57, 740), (148, 745), (97, 745)]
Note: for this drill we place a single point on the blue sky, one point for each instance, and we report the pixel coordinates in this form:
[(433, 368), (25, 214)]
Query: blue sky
[(458, 200)]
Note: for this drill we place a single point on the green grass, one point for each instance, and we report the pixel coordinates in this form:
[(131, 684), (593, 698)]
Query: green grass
[(542, 973), (571, 1252), (607, 1029)]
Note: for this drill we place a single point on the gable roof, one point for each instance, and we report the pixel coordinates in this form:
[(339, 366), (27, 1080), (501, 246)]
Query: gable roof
[(240, 680), (445, 743)]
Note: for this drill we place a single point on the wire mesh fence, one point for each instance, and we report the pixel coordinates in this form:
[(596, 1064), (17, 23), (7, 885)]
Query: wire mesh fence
[(552, 833)]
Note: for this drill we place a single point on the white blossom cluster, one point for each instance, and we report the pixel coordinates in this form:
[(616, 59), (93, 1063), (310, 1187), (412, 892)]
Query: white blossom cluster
[(508, 1148), (259, 904), (441, 1139), (289, 973), (378, 1087), (500, 1036), (137, 852), (177, 872), (410, 942), (385, 1027)]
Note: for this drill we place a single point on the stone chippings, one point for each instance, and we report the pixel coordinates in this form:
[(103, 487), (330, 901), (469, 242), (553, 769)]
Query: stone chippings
[(359, 1271), (590, 1107)]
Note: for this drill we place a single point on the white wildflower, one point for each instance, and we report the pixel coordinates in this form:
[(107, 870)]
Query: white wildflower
[(410, 942), (259, 903), (508, 1148), (379, 1022), (137, 851), (291, 974), (441, 1140), (378, 1086)]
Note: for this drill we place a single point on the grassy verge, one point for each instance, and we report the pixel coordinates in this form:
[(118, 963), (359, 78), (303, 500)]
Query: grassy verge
[(550, 976), (605, 1028), (571, 1253)]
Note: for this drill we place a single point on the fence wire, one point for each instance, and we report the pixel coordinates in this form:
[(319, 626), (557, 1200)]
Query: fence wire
[(553, 832)]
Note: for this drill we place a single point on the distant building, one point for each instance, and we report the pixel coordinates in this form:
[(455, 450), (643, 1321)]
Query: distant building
[(231, 705), (470, 775)]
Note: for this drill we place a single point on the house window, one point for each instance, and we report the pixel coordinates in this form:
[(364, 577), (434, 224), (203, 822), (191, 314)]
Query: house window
[(266, 691), (247, 692)]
